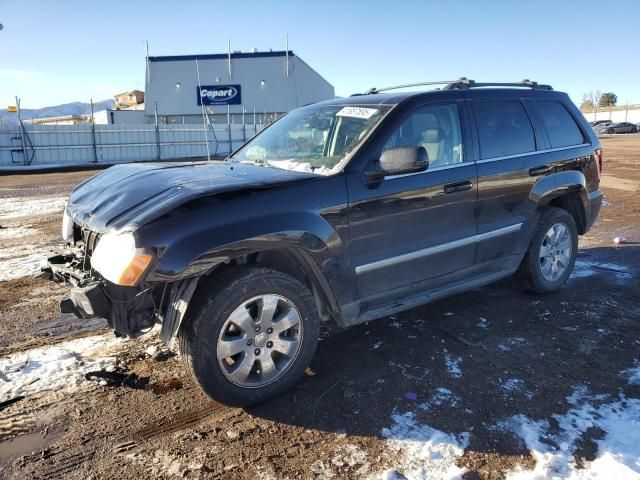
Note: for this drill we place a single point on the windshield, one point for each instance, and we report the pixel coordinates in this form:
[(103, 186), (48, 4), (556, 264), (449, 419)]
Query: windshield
[(313, 139)]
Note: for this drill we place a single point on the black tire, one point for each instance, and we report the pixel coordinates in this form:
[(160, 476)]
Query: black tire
[(198, 336), (529, 274)]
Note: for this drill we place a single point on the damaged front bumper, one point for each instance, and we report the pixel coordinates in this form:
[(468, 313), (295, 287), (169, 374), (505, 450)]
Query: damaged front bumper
[(87, 298), (128, 310), (86, 302)]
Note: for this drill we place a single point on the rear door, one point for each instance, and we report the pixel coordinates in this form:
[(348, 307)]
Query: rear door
[(508, 166), (409, 228)]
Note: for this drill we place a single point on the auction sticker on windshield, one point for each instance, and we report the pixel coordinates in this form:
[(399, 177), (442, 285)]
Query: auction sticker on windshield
[(357, 112)]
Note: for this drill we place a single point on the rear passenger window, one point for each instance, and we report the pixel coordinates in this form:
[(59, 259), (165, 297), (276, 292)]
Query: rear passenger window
[(504, 128), (560, 125)]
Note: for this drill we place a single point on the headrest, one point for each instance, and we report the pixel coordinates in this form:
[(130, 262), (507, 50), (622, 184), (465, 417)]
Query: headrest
[(431, 135)]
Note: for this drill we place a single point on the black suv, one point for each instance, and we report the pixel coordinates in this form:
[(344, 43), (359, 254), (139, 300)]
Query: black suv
[(343, 211)]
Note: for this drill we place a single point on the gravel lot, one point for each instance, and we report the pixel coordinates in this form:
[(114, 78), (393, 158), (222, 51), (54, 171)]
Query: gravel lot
[(493, 383)]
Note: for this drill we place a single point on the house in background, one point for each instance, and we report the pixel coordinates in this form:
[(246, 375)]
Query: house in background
[(127, 100)]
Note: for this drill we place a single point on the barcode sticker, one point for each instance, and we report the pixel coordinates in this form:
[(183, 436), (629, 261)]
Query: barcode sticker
[(357, 112)]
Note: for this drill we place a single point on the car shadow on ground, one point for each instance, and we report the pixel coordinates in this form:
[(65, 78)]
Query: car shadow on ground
[(466, 363)]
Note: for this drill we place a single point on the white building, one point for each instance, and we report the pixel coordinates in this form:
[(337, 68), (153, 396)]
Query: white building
[(267, 83), (112, 117)]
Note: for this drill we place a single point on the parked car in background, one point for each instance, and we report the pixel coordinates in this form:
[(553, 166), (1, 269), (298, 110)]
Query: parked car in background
[(620, 127), (599, 122), (342, 211), (600, 128)]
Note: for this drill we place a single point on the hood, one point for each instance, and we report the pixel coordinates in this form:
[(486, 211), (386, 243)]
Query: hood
[(134, 194)]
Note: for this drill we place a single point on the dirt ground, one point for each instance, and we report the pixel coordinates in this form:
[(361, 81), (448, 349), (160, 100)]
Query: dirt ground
[(29, 313), (461, 365)]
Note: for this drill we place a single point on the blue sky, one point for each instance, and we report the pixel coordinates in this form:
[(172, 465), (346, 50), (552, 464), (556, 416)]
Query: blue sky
[(59, 51)]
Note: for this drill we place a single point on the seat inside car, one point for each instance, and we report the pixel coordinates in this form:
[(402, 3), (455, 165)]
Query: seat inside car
[(433, 143)]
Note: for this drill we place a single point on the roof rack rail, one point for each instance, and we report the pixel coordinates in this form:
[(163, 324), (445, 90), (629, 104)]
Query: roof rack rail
[(419, 84), (465, 83)]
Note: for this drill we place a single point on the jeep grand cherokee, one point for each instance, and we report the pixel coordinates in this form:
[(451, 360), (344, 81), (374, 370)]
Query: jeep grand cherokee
[(343, 211)]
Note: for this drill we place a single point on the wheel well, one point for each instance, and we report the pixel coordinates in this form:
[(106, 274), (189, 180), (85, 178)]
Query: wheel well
[(286, 260), (572, 203)]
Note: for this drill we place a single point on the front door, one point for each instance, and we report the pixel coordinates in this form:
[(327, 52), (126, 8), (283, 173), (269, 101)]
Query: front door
[(409, 228)]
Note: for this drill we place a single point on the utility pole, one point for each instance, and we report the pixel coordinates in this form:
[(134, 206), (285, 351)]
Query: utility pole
[(147, 60), (21, 126), (286, 52), (204, 117), (93, 135), (155, 114), (229, 56)]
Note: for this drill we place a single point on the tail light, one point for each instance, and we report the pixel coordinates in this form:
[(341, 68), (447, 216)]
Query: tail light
[(599, 161)]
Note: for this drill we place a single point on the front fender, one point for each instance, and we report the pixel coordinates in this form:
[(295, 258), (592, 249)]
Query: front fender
[(197, 251)]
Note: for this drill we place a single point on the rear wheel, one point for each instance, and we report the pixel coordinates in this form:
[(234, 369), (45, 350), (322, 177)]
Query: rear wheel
[(552, 253), (252, 337)]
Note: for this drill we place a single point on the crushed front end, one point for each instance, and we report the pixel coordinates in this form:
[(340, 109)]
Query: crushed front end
[(129, 309)]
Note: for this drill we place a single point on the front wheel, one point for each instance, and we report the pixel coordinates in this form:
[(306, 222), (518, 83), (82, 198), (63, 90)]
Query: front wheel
[(552, 253), (252, 338)]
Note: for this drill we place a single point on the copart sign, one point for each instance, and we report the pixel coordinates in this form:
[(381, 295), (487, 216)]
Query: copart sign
[(219, 95)]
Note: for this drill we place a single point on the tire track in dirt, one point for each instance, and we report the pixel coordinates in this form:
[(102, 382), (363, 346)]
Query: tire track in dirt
[(212, 411), (135, 441)]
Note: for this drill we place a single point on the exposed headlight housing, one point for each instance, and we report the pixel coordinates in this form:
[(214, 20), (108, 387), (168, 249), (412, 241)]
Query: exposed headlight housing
[(118, 260), (67, 225)]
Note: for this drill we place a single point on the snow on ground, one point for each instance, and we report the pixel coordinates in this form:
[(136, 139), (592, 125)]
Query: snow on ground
[(632, 374), (554, 449), (21, 261), (422, 452), (15, 232), (511, 385), (483, 323), (164, 464), (345, 455), (442, 396), (453, 365), (510, 343), (15, 207), (59, 366), (587, 268)]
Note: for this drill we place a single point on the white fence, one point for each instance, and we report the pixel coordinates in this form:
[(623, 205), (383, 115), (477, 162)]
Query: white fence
[(616, 114), (50, 146)]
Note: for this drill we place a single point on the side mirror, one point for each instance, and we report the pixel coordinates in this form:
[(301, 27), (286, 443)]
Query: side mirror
[(399, 161)]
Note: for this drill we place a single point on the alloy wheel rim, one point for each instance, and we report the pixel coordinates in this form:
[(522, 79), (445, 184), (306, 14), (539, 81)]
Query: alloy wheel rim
[(259, 341), (555, 252)]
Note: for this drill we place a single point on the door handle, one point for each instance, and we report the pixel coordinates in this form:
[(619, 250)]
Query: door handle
[(541, 170), (458, 187)]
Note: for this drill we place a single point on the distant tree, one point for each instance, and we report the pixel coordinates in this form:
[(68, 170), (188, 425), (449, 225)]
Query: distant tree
[(608, 99), (587, 101), (595, 97)]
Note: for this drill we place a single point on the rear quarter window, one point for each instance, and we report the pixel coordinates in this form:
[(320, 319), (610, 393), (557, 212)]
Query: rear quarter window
[(504, 128), (561, 127)]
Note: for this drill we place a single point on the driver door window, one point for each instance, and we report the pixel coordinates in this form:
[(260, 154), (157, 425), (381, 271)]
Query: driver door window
[(434, 127)]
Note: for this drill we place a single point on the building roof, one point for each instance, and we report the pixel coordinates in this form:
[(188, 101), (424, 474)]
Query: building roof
[(128, 92), (59, 118), (220, 56)]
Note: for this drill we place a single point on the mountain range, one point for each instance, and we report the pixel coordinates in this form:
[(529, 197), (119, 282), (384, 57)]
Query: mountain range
[(73, 108)]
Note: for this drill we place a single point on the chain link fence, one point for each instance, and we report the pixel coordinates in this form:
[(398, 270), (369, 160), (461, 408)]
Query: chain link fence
[(24, 147)]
